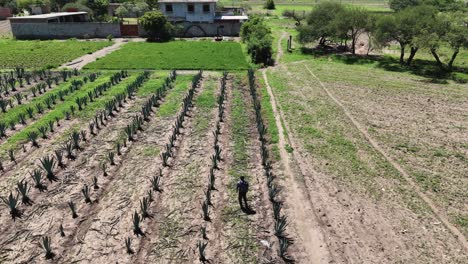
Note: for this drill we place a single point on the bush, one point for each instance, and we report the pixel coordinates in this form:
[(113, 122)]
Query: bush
[(258, 38), (270, 4), (157, 26)]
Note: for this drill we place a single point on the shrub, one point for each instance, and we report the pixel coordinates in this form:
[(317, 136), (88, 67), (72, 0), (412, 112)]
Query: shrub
[(270, 5)]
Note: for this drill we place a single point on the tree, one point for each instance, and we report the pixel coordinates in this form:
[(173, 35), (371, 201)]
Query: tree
[(157, 26), (405, 27), (320, 23), (258, 38), (270, 5), (441, 5), (350, 23), (121, 11)]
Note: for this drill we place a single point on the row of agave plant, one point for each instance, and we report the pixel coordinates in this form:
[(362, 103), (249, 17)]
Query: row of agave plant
[(69, 150), (39, 108), (155, 181), (98, 91), (281, 221), (14, 81), (136, 123), (20, 97), (215, 159)]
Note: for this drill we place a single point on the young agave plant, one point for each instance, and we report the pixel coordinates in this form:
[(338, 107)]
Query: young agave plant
[(11, 154), (156, 183), (111, 157), (62, 232), (12, 203), (95, 183), (46, 245), (68, 147), (144, 206), (203, 232), (273, 192), (283, 248), (36, 175), (23, 188), (59, 158), (280, 226), (72, 206), (85, 191), (75, 136), (136, 225), (43, 131), (206, 211), (128, 246), (48, 165), (201, 251), (32, 137), (104, 169)]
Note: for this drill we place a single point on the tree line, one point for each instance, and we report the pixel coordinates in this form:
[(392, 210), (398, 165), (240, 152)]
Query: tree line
[(414, 25)]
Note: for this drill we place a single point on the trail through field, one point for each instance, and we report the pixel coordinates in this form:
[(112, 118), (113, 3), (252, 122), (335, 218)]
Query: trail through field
[(279, 53), (307, 228), (457, 233), (82, 61)]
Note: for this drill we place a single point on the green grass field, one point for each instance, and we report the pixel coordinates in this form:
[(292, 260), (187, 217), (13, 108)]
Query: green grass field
[(182, 55), (44, 54)]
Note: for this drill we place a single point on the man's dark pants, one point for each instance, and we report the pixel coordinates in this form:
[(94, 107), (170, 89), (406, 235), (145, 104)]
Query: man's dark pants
[(243, 196)]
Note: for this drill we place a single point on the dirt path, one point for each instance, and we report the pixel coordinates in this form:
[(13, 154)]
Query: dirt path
[(82, 61), (457, 233), (307, 229), (279, 53)]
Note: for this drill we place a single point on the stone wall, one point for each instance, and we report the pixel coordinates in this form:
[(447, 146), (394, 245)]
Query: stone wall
[(188, 30), (64, 30)]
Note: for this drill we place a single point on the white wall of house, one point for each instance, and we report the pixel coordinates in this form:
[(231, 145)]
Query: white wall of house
[(180, 12)]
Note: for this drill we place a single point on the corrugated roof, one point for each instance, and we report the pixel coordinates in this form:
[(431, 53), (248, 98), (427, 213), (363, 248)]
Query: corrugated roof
[(187, 1), (231, 17), (51, 15)]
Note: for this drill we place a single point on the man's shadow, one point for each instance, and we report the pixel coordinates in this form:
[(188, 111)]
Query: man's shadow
[(248, 210)]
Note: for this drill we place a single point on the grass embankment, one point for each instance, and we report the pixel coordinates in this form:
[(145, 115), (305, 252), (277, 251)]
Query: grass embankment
[(44, 54), (60, 109), (173, 101), (244, 247), (182, 55)]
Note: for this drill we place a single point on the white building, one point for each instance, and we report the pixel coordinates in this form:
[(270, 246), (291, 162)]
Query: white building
[(200, 18)]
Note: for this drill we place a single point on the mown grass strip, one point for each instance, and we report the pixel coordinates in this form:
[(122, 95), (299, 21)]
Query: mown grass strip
[(173, 100), (59, 111), (243, 245), (205, 102)]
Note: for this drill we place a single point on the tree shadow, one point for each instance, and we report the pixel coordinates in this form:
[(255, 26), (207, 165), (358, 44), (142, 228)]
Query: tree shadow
[(420, 67)]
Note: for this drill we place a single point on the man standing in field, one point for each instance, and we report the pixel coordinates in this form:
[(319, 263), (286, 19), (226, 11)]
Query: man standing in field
[(242, 189)]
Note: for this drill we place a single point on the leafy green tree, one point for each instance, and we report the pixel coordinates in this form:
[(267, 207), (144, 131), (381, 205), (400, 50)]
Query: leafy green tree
[(350, 23), (258, 38), (157, 26), (270, 4), (405, 27), (441, 5), (320, 23), (121, 11)]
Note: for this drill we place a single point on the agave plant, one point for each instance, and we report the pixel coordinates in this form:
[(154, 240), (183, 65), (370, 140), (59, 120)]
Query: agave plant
[(211, 180), (273, 192), (104, 169), (72, 206), (48, 165), (75, 137), (62, 232), (206, 211), (136, 225), (128, 246), (85, 192), (36, 175), (11, 154), (1, 166), (283, 249), (68, 147), (30, 112), (111, 157), (91, 129), (46, 245), (22, 118), (32, 137), (59, 158), (51, 126), (277, 210), (144, 206), (203, 232), (12, 203), (23, 188), (201, 251), (3, 129), (280, 226), (156, 183), (43, 131)]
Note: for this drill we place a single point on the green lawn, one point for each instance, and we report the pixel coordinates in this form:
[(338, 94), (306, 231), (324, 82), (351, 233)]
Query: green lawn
[(182, 55), (44, 54)]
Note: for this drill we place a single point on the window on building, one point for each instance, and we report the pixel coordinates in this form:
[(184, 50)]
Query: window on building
[(190, 8), (168, 8), (206, 8)]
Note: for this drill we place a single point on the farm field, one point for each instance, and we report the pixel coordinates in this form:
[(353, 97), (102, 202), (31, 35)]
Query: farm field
[(175, 55), (44, 54), (357, 190)]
